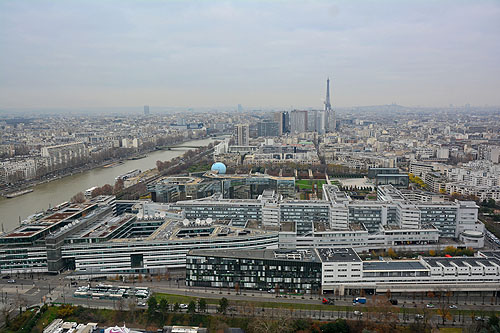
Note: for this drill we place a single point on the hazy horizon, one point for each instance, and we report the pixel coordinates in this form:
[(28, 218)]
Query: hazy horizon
[(264, 54)]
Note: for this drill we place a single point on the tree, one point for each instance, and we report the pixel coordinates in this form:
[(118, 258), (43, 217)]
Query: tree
[(191, 307), (5, 310), (202, 305), (132, 307), (223, 305), (391, 253), (176, 307), (152, 306), (451, 250), (78, 198), (65, 310), (107, 189), (163, 307), (119, 186), (237, 288), (267, 325)]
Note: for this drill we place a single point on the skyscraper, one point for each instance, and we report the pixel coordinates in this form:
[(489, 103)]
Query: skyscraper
[(330, 114), (298, 121), (146, 110), (242, 132), (283, 118)]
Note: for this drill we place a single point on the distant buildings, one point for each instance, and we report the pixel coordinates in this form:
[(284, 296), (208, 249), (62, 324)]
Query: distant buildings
[(146, 110), (65, 153)]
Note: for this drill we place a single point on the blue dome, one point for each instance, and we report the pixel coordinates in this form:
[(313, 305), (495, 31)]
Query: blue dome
[(219, 167)]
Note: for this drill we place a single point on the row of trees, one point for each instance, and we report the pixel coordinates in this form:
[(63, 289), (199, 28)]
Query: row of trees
[(450, 250), (182, 163), (106, 189)]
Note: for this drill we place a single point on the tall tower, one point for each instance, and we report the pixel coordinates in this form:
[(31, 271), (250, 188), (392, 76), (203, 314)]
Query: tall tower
[(331, 123), (242, 132), (328, 106)]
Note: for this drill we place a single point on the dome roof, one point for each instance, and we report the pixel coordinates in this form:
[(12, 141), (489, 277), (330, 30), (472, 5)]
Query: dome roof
[(219, 167)]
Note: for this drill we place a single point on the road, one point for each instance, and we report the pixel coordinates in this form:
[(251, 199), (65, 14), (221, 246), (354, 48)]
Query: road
[(57, 289)]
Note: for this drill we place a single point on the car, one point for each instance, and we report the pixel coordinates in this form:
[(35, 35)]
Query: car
[(141, 304), (6, 277), (358, 313), (328, 301), (419, 316), (478, 318), (430, 306), (183, 306), (453, 306), (12, 281)]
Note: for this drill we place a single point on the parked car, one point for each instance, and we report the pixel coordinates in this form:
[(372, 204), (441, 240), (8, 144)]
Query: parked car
[(183, 306), (12, 281), (430, 306), (358, 313), (6, 277), (453, 306), (419, 316), (141, 304), (328, 301)]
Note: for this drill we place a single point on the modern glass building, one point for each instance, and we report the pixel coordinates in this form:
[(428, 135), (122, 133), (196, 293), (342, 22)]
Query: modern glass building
[(276, 270)]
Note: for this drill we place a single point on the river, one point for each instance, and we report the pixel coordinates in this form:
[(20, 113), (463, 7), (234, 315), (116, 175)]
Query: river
[(60, 190)]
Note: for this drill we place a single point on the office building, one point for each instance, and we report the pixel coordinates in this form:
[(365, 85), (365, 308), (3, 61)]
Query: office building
[(283, 119), (340, 271), (269, 270), (268, 128), (298, 121), (146, 110), (242, 133)]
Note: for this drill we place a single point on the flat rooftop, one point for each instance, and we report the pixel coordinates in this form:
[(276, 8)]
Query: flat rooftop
[(338, 255), (462, 261), (393, 265), (267, 254)]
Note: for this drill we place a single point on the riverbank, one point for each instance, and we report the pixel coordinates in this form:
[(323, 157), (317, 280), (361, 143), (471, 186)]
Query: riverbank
[(48, 194), (87, 167)]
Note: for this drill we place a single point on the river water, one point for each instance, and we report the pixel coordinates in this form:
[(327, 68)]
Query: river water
[(60, 190)]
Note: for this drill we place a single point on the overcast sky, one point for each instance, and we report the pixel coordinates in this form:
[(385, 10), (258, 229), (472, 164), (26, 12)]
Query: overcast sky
[(96, 53)]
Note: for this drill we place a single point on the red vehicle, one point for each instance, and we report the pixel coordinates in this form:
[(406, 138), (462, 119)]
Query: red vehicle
[(328, 301)]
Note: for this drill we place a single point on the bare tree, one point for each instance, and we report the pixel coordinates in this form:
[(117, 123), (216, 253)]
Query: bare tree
[(78, 198)]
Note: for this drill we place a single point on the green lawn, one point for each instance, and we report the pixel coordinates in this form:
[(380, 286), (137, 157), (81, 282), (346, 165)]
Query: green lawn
[(305, 184)]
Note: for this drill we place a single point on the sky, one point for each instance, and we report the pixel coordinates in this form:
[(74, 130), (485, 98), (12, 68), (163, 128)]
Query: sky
[(100, 53)]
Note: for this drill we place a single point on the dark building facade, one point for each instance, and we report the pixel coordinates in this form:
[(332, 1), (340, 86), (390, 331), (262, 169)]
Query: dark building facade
[(268, 128), (286, 271)]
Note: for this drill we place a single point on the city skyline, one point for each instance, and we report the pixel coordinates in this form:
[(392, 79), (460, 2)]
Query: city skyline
[(265, 54)]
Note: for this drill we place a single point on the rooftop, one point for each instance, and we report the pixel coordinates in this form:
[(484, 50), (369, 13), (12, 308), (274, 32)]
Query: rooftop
[(338, 255), (268, 254), (393, 265)]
